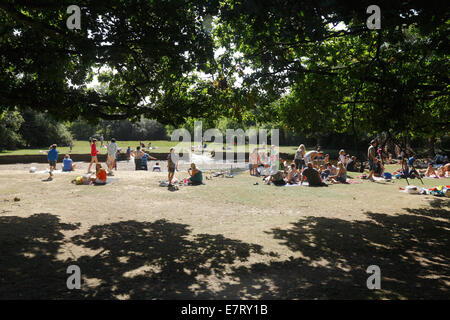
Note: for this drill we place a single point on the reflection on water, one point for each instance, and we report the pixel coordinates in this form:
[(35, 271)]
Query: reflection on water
[(205, 161)]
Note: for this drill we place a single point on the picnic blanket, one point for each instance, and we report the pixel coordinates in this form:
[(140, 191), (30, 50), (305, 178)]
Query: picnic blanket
[(348, 181), (47, 171), (305, 184), (436, 191), (431, 177), (165, 184), (439, 191), (84, 181), (353, 181), (294, 185), (108, 181), (374, 178)]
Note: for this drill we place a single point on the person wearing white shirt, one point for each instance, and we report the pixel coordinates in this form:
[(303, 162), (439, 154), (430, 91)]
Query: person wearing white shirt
[(311, 155), (112, 150)]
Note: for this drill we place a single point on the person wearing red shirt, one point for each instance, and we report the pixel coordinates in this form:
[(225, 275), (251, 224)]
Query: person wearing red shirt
[(100, 175), (94, 153)]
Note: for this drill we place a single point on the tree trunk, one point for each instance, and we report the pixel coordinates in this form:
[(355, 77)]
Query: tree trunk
[(432, 145)]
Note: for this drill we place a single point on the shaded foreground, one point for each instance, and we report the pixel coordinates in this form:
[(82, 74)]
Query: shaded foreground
[(164, 260)]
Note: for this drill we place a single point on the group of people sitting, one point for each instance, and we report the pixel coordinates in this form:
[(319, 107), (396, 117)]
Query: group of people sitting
[(322, 162), (313, 167), (408, 170), (309, 173), (442, 172)]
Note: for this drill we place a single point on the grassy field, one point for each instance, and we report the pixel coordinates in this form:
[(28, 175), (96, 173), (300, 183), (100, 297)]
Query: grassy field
[(161, 146), (228, 239), (83, 147)]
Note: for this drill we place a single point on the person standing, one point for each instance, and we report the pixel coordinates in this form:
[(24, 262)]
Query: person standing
[(274, 159), (172, 165), (411, 161), (94, 153), (138, 157), (101, 141), (341, 157), (112, 151), (71, 146), (52, 157), (144, 160), (117, 160), (298, 158), (128, 153), (253, 162), (371, 155)]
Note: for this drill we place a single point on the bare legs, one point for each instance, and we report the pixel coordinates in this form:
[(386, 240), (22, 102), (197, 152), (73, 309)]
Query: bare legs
[(171, 174), (93, 159)]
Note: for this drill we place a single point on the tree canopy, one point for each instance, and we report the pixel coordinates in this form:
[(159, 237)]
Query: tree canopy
[(321, 78), (308, 64), (143, 51)]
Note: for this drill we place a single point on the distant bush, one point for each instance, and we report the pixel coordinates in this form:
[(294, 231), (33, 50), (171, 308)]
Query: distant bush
[(10, 122), (150, 130), (145, 129), (81, 129), (39, 130)]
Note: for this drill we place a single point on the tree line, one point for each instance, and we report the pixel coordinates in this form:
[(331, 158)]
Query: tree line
[(33, 129), (307, 66)]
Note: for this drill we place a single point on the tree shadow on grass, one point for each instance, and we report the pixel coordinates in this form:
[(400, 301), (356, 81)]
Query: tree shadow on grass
[(164, 260), (29, 268), (412, 250), (130, 259), (156, 260), (440, 203)]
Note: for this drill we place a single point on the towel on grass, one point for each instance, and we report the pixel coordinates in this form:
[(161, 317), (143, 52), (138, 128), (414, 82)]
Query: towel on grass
[(108, 181), (353, 181), (374, 178), (296, 185), (54, 171)]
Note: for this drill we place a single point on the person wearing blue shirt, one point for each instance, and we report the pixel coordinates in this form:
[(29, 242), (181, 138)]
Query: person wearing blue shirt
[(411, 161), (128, 153), (52, 157), (144, 159), (68, 164)]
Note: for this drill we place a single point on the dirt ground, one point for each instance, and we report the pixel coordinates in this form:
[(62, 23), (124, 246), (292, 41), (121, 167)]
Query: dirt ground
[(227, 239)]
